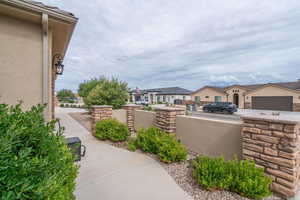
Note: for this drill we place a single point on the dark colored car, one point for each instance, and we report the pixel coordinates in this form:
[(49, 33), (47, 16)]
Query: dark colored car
[(224, 107)]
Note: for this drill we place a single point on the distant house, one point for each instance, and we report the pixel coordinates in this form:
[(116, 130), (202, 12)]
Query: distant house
[(33, 42), (161, 95), (271, 96)]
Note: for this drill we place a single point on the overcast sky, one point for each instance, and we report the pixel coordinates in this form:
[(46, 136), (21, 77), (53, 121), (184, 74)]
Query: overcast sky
[(186, 43)]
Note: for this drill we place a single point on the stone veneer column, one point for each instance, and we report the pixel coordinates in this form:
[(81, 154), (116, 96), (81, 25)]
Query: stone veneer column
[(296, 107), (165, 118), (99, 113), (130, 108), (273, 142)]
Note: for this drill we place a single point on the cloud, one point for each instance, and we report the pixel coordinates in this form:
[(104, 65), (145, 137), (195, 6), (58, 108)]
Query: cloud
[(183, 43)]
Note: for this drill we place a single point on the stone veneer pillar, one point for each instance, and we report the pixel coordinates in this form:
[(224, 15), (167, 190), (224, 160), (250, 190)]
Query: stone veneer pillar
[(99, 113), (273, 142), (130, 108), (165, 118)]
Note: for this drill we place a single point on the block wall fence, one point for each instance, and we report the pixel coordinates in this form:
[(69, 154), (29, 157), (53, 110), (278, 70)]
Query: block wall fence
[(272, 142)]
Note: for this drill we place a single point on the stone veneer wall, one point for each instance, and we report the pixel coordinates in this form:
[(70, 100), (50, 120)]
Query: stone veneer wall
[(165, 118), (130, 108), (99, 113), (296, 107), (273, 144), (54, 99)]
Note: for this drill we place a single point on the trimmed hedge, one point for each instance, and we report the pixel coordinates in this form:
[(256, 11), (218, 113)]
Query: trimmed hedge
[(112, 129), (35, 162), (156, 141), (238, 176)]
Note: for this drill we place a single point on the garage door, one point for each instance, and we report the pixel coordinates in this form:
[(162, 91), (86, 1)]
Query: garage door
[(284, 103)]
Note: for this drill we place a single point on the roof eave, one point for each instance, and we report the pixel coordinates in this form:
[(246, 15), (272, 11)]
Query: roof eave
[(36, 8)]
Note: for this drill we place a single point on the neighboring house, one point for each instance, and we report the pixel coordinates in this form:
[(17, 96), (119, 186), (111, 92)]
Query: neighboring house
[(33, 42), (270, 96), (161, 95)]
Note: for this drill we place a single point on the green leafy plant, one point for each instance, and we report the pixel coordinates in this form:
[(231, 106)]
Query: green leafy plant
[(148, 108), (237, 176), (62, 105), (131, 146), (108, 92), (112, 129), (156, 141), (35, 162), (66, 96)]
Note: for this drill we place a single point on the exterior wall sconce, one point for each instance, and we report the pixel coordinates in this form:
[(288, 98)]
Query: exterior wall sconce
[(58, 64)]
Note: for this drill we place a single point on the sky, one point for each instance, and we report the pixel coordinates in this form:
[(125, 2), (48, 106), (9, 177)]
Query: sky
[(184, 43)]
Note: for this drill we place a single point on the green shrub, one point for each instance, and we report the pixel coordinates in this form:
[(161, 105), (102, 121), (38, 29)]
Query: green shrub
[(156, 141), (237, 176), (148, 108), (131, 146), (62, 105), (35, 163), (112, 129)]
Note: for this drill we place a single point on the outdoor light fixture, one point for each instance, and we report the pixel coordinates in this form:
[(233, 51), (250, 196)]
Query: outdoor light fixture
[(58, 64)]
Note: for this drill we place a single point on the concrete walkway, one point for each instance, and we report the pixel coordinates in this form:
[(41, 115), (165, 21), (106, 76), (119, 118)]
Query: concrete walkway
[(109, 173)]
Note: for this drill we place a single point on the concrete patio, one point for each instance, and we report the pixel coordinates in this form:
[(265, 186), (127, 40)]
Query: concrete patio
[(110, 173)]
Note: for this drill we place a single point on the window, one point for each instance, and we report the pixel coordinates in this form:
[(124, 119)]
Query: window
[(197, 99), (158, 98), (218, 98), (207, 97), (183, 97), (164, 98)]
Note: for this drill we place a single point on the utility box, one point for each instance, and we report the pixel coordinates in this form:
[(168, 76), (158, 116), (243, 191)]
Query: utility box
[(74, 144), (191, 107)]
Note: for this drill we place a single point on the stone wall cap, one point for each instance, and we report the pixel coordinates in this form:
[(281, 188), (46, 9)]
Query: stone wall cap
[(101, 106), (169, 109), (132, 105), (281, 118)]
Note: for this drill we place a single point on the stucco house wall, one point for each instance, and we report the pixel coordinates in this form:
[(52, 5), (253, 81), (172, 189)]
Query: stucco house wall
[(240, 92), (31, 33), (170, 98), (20, 61), (208, 95)]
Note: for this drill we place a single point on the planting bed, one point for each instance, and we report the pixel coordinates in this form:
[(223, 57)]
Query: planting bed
[(180, 172)]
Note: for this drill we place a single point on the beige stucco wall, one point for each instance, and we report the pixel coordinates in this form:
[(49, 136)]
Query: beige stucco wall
[(210, 137), (210, 93), (120, 115), (273, 91), (240, 92), (143, 119), (21, 56), (20, 62)]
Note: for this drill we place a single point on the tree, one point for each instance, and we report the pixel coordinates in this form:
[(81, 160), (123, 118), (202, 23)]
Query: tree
[(87, 86), (66, 95), (108, 92)]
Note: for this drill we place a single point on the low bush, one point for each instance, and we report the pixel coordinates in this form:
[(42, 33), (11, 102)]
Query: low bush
[(131, 146), (62, 105), (35, 162), (156, 141), (112, 129), (147, 108), (237, 176)]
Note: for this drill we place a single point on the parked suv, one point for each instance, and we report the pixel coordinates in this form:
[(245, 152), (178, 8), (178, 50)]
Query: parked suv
[(225, 107)]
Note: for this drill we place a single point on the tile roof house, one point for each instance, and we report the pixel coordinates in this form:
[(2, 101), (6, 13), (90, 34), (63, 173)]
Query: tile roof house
[(34, 39), (270, 96), (161, 95)]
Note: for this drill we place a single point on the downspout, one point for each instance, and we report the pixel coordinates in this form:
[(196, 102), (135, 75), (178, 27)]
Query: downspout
[(45, 80)]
